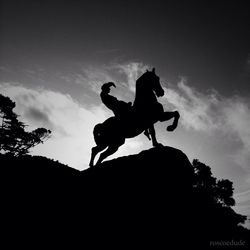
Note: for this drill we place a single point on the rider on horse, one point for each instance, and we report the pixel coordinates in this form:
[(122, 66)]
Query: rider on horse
[(132, 120), (120, 109)]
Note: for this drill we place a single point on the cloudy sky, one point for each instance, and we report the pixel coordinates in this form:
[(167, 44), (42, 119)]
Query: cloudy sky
[(55, 55)]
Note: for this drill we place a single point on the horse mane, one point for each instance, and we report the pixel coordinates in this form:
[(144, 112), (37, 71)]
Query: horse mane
[(142, 79)]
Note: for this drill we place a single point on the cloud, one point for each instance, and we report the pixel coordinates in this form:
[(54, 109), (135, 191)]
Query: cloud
[(132, 71), (123, 74), (243, 205), (37, 114), (211, 112), (237, 123), (198, 111), (92, 77), (243, 197), (207, 112), (71, 123), (5, 69)]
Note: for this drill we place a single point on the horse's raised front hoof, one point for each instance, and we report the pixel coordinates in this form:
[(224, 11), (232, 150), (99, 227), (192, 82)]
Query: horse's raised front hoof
[(171, 128)]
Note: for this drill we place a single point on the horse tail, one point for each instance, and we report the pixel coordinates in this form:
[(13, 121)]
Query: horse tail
[(98, 129)]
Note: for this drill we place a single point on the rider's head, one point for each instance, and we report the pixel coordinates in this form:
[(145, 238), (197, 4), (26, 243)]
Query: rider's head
[(106, 87)]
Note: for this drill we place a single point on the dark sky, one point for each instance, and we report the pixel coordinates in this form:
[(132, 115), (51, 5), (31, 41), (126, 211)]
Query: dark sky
[(206, 41)]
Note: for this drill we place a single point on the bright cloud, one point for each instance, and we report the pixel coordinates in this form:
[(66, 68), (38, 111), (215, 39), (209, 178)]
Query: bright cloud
[(71, 123), (198, 111), (124, 75), (94, 77), (212, 112), (243, 205), (132, 71), (89, 77)]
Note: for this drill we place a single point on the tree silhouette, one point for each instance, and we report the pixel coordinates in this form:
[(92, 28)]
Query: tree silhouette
[(218, 193), (14, 140), (220, 190)]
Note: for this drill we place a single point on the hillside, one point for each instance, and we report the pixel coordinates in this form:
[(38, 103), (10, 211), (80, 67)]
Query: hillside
[(151, 198)]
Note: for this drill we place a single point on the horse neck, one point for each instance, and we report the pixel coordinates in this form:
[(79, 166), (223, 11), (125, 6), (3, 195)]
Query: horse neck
[(144, 96)]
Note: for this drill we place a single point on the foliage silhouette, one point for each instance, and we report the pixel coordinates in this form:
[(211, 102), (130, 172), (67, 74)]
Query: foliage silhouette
[(156, 198), (14, 140), (220, 190)]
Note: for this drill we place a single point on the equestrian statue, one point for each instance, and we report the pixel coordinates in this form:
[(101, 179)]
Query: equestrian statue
[(131, 120)]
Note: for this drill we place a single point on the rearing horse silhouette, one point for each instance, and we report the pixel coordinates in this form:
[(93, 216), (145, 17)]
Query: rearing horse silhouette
[(146, 111)]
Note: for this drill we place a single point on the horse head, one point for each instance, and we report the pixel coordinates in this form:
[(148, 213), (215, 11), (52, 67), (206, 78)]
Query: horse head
[(154, 81)]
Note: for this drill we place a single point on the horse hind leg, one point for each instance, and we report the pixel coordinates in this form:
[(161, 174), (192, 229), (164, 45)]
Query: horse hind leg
[(109, 151), (94, 151)]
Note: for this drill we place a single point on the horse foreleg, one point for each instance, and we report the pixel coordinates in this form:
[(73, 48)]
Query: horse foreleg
[(169, 115), (175, 122), (110, 150), (94, 151)]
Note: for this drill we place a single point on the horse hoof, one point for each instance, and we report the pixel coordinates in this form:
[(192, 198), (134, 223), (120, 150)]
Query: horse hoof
[(171, 128), (94, 166), (158, 145)]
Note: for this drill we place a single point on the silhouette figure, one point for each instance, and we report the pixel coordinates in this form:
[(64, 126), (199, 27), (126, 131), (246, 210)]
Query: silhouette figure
[(146, 111), (120, 109)]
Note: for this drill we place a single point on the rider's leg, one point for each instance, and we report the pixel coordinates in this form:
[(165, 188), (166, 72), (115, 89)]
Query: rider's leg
[(94, 151)]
